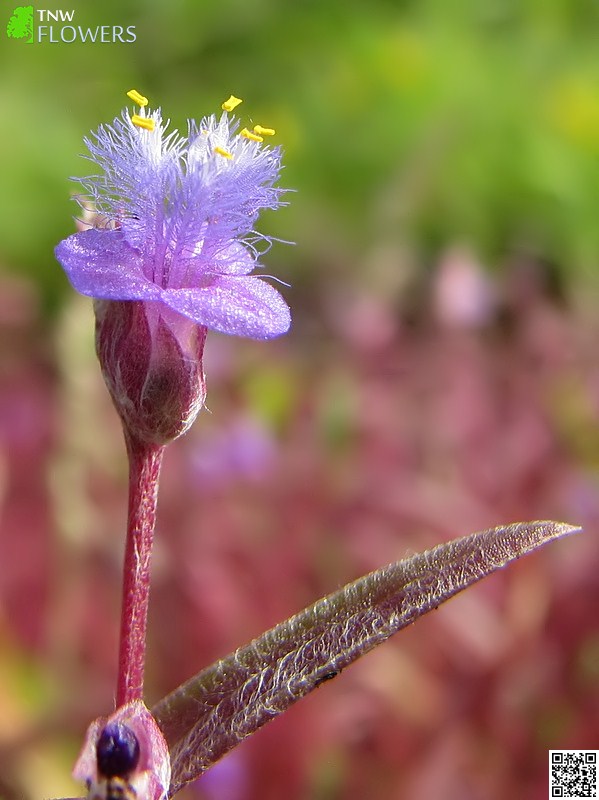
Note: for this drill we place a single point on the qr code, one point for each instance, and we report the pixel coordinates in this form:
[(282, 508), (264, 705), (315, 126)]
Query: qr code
[(573, 773)]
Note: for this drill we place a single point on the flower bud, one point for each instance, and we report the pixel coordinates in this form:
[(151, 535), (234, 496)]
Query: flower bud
[(151, 359)]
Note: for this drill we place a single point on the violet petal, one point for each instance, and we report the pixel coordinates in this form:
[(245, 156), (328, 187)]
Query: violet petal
[(100, 264), (242, 306)]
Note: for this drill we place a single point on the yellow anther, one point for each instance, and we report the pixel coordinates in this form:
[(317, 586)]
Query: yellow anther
[(249, 135), (222, 152), (137, 97), (143, 122), (231, 103), (264, 131)]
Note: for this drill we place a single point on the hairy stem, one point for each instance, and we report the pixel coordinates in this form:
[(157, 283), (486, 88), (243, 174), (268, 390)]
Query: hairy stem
[(144, 470)]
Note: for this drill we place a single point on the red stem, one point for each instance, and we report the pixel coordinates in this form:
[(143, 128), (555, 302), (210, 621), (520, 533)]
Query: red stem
[(144, 470)]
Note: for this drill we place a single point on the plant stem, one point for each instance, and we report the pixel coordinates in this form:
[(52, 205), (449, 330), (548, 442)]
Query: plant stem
[(144, 469)]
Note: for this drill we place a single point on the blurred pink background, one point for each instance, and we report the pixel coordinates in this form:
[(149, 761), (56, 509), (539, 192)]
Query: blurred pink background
[(386, 422)]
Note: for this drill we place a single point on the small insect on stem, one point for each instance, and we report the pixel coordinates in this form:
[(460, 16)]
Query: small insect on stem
[(328, 676)]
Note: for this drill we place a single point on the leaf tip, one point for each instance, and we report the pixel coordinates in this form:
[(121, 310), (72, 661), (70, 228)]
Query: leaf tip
[(555, 530)]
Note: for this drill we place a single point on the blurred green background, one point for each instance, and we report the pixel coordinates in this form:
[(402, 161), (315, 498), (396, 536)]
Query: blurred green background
[(404, 123)]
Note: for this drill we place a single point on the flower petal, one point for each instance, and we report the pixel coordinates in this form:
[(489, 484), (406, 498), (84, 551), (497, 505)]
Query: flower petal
[(232, 259), (204, 263), (240, 306), (100, 263)]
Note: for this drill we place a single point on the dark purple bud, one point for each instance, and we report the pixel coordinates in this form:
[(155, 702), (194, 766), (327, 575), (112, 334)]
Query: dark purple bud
[(117, 751)]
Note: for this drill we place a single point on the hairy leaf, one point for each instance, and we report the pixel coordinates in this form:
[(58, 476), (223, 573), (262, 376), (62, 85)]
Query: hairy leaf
[(207, 716)]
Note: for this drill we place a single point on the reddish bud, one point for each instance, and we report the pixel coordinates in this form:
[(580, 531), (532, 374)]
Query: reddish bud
[(151, 359)]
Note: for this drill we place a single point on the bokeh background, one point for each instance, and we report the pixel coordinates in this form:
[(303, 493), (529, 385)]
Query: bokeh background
[(441, 376)]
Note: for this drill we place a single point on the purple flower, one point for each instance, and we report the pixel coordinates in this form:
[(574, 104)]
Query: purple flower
[(171, 255), (178, 215)]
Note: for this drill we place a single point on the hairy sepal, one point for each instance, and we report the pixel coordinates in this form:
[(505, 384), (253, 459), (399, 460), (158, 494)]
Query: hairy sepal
[(151, 359)]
